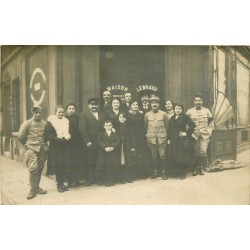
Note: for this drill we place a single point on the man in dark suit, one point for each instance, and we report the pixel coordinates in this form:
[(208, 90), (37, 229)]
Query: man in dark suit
[(107, 102), (144, 105), (126, 105), (90, 125)]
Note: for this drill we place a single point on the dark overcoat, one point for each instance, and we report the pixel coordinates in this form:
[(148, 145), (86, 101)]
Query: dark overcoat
[(139, 141), (105, 107), (90, 127), (124, 134), (177, 151), (75, 143), (108, 161), (59, 152), (125, 108), (112, 116)]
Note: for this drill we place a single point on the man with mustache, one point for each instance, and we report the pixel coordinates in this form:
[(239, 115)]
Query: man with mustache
[(90, 125), (203, 120), (156, 123), (31, 137), (107, 102)]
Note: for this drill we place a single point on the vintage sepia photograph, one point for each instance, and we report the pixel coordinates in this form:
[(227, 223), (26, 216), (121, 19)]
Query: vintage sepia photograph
[(125, 125)]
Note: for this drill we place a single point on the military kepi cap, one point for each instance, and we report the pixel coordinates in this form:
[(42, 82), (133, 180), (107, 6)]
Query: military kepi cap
[(36, 108), (93, 100), (154, 98)]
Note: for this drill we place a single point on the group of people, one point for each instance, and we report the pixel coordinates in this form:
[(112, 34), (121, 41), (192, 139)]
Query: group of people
[(120, 142)]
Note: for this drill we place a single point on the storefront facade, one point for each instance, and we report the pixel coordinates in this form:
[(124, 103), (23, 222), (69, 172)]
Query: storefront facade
[(53, 75)]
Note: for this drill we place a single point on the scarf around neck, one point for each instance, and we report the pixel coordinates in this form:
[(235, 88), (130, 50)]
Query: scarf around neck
[(61, 126)]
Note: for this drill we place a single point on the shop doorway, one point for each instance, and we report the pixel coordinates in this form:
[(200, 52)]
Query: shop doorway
[(132, 69)]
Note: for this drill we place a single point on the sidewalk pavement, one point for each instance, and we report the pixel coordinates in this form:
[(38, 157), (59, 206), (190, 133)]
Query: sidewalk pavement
[(228, 187)]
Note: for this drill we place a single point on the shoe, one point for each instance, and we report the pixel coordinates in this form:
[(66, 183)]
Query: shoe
[(41, 191), (201, 171), (130, 181), (31, 195), (60, 189), (144, 176), (88, 184), (163, 175), (71, 184), (154, 175), (99, 182), (65, 188), (195, 171), (182, 177)]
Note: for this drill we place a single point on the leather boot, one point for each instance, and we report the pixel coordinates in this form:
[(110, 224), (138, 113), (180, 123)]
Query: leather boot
[(155, 174), (163, 171), (59, 180), (201, 171), (32, 180), (38, 178), (204, 163), (196, 171), (196, 165)]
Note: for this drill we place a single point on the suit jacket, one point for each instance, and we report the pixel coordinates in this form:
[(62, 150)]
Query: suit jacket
[(106, 107), (124, 108), (90, 127), (144, 110)]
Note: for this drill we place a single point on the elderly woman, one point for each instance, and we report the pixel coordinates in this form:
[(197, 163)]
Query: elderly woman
[(57, 133), (180, 129)]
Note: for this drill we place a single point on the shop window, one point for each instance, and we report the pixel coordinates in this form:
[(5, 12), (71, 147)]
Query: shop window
[(243, 82), (223, 109)]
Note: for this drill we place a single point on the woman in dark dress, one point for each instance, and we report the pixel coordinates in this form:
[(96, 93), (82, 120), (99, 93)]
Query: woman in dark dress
[(126, 150), (57, 133), (180, 129), (75, 145), (139, 142)]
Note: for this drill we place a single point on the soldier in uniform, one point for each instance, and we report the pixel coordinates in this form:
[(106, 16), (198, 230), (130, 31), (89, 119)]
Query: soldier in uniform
[(156, 123), (31, 136), (203, 120)]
